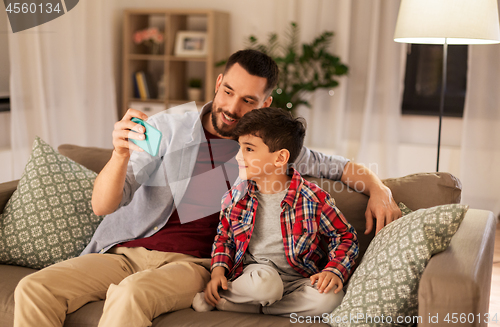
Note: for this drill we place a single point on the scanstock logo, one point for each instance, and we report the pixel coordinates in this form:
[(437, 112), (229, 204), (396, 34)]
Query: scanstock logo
[(25, 15)]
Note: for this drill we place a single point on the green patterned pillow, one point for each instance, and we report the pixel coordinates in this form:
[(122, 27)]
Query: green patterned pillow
[(383, 291), (404, 209), (49, 217)]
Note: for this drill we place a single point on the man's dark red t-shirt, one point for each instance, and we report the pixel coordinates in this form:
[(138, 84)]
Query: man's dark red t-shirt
[(202, 196)]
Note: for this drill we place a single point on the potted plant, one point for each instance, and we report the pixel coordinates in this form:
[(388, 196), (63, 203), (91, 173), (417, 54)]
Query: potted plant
[(194, 89), (301, 72)]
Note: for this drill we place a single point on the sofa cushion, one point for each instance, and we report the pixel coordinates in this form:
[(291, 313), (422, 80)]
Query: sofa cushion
[(6, 191), (190, 318), (386, 282), (9, 278), (49, 217), (92, 158)]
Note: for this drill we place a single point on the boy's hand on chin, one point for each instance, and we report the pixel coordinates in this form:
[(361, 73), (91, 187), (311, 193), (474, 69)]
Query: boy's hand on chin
[(326, 281)]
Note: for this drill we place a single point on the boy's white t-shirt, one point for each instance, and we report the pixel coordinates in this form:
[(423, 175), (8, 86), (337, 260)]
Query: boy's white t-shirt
[(266, 244)]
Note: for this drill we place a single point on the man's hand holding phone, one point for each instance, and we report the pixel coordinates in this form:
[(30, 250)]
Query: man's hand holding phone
[(108, 186), (126, 129), (151, 142)]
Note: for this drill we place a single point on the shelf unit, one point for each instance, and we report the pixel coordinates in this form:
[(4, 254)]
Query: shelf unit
[(177, 70)]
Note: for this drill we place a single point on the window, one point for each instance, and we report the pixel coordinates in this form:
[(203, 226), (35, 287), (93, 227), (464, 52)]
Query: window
[(424, 64)]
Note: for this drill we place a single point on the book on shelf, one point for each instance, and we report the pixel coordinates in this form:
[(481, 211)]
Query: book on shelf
[(136, 94), (143, 86)]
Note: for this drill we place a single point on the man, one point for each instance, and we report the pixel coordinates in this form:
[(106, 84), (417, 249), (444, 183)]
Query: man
[(154, 245)]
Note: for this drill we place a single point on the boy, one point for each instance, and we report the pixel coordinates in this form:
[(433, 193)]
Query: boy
[(268, 239)]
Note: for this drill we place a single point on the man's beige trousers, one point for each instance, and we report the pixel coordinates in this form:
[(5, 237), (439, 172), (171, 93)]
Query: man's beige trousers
[(137, 284)]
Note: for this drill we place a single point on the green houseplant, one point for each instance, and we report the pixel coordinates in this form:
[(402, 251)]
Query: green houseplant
[(195, 83), (194, 89), (301, 72)]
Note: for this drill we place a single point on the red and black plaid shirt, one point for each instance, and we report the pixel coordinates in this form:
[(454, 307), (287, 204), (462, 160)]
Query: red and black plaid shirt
[(308, 213)]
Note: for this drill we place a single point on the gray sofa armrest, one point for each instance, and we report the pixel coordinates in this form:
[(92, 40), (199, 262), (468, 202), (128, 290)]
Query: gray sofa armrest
[(458, 280), (6, 190)]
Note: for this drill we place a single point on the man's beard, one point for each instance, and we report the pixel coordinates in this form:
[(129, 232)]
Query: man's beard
[(221, 131)]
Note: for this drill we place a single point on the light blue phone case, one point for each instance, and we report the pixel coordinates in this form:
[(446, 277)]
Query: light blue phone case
[(151, 144)]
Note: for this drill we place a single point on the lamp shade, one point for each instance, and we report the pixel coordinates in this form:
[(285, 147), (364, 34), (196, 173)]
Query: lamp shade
[(457, 21)]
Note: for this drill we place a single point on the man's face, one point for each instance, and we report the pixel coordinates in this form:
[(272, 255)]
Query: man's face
[(254, 159), (236, 93)]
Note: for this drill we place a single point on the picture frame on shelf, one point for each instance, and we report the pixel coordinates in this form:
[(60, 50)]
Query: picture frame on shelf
[(191, 44)]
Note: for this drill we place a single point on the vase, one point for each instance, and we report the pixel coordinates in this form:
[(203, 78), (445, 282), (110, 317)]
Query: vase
[(156, 49), (153, 48), (194, 94)]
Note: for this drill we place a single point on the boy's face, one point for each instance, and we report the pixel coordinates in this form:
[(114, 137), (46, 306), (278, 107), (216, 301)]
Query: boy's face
[(236, 93), (254, 159)]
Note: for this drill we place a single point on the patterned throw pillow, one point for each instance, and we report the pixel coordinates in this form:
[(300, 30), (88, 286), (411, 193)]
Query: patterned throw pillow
[(404, 209), (49, 217), (383, 291)]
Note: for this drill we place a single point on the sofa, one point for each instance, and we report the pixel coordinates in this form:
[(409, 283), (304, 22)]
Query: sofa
[(457, 280)]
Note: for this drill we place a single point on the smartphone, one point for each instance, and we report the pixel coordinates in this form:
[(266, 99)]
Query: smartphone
[(151, 144)]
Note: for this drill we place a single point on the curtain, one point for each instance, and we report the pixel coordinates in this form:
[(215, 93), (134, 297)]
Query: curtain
[(480, 164), (361, 120), (62, 86)]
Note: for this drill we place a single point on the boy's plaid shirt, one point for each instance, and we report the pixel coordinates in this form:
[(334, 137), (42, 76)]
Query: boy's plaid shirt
[(308, 211)]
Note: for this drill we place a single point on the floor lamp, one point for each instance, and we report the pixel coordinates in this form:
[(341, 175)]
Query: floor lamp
[(447, 22)]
